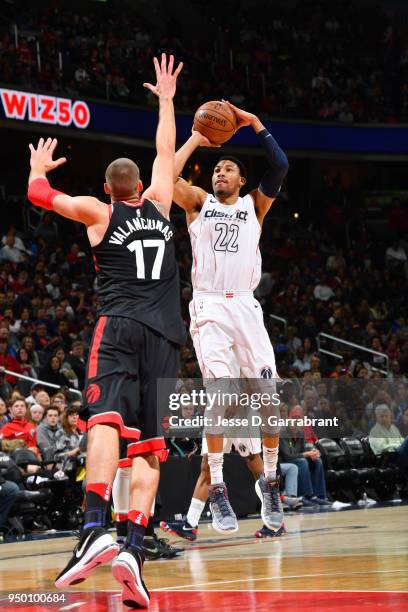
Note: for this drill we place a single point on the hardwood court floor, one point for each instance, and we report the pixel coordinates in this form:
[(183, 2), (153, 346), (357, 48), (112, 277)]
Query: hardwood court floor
[(345, 560)]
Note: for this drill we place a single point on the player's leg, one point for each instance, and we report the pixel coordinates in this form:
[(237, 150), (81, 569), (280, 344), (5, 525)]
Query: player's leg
[(213, 346), (120, 494), (106, 378), (187, 528), (256, 358), (158, 359)]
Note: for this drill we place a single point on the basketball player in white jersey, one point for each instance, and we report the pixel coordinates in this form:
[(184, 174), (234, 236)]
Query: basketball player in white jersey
[(227, 325)]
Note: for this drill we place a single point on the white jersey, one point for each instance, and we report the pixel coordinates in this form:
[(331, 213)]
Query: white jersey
[(225, 245)]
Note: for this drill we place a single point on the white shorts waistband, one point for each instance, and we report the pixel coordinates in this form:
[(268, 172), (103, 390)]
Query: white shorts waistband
[(223, 293)]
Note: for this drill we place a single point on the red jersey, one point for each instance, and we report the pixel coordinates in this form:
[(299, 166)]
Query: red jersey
[(19, 430)]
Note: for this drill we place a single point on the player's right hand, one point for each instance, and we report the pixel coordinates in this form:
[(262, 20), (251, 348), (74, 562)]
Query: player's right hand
[(41, 157), (165, 87), (203, 140)]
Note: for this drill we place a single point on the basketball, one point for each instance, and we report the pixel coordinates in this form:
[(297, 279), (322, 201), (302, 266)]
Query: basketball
[(216, 121)]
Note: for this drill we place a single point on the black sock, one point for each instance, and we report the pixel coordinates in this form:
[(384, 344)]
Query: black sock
[(121, 530), (137, 524), (150, 528), (135, 536), (96, 508)]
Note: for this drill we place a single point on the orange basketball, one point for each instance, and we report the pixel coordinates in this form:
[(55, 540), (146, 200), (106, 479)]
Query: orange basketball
[(216, 121)]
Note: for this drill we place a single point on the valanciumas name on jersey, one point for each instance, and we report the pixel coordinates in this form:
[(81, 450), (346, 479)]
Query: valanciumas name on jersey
[(138, 224), (225, 246)]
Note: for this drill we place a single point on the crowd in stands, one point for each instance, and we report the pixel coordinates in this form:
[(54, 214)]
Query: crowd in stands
[(340, 61)]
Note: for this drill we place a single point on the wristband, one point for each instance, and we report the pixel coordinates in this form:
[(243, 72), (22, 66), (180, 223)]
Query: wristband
[(40, 193)]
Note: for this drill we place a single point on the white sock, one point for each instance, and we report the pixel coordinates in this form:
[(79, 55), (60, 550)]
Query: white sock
[(215, 461), (270, 460), (195, 510), (120, 490)]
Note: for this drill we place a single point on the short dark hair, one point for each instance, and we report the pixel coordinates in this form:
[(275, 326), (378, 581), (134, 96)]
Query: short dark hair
[(49, 408), (242, 168)]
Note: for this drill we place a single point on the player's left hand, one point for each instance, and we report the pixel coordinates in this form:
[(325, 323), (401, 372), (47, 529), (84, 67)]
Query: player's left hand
[(243, 117), (165, 87), (41, 158)]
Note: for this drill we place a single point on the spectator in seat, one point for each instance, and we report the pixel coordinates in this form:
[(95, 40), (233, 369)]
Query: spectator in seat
[(77, 361), (298, 412), (66, 367), (9, 252), (300, 362), (8, 362), (27, 343), (9, 491), (385, 437), (35, 388), (5, 387), (4, 417), (47, 230), (26, 369), (47, 433), (323, 291), (59, 401), (312, 484), (36, 414), (51, 373), (43, 399), (68, 439), (396, 256), (403, 423), (19, 428)]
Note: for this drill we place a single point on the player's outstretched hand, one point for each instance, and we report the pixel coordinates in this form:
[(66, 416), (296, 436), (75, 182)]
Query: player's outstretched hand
[(202, 141), (243, 117), (165, 87), (41, 157)]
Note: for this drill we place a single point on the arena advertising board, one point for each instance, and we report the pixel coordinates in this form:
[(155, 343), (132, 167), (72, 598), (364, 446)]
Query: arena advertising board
[(42, 108), (127, 121)]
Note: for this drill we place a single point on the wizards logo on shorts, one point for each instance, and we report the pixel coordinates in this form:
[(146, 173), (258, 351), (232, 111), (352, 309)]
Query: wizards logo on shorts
[(266, 372), (93, 393)]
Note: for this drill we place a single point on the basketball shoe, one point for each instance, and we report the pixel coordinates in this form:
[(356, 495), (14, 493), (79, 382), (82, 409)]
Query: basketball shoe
[(159, 548), (223, 516), (271, 508), (94, 548), (183, 529), (127, 569), (264, 532)]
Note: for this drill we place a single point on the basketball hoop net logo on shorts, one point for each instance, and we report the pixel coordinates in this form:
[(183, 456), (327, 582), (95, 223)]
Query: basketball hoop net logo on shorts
[(266, 372), (93, 393)]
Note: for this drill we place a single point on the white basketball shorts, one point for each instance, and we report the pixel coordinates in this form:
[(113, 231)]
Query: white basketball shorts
[(229, 336)]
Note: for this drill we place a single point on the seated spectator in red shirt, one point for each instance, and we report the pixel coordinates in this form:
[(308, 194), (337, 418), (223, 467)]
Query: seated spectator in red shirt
[(297, 412), (19, 428)]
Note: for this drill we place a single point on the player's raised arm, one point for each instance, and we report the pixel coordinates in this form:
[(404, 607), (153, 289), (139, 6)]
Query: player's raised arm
[(161, 187), (85, 209), (272, 180), (187, 196)]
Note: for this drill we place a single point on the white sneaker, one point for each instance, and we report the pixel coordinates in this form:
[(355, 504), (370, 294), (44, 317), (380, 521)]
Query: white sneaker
[(127, 570)]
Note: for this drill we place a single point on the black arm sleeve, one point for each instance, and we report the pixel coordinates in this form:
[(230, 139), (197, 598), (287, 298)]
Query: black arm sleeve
[(272, 180)]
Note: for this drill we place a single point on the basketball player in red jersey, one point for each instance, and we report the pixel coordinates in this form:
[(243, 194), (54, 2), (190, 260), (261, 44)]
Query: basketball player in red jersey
[(136, 338), (227, 325)]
